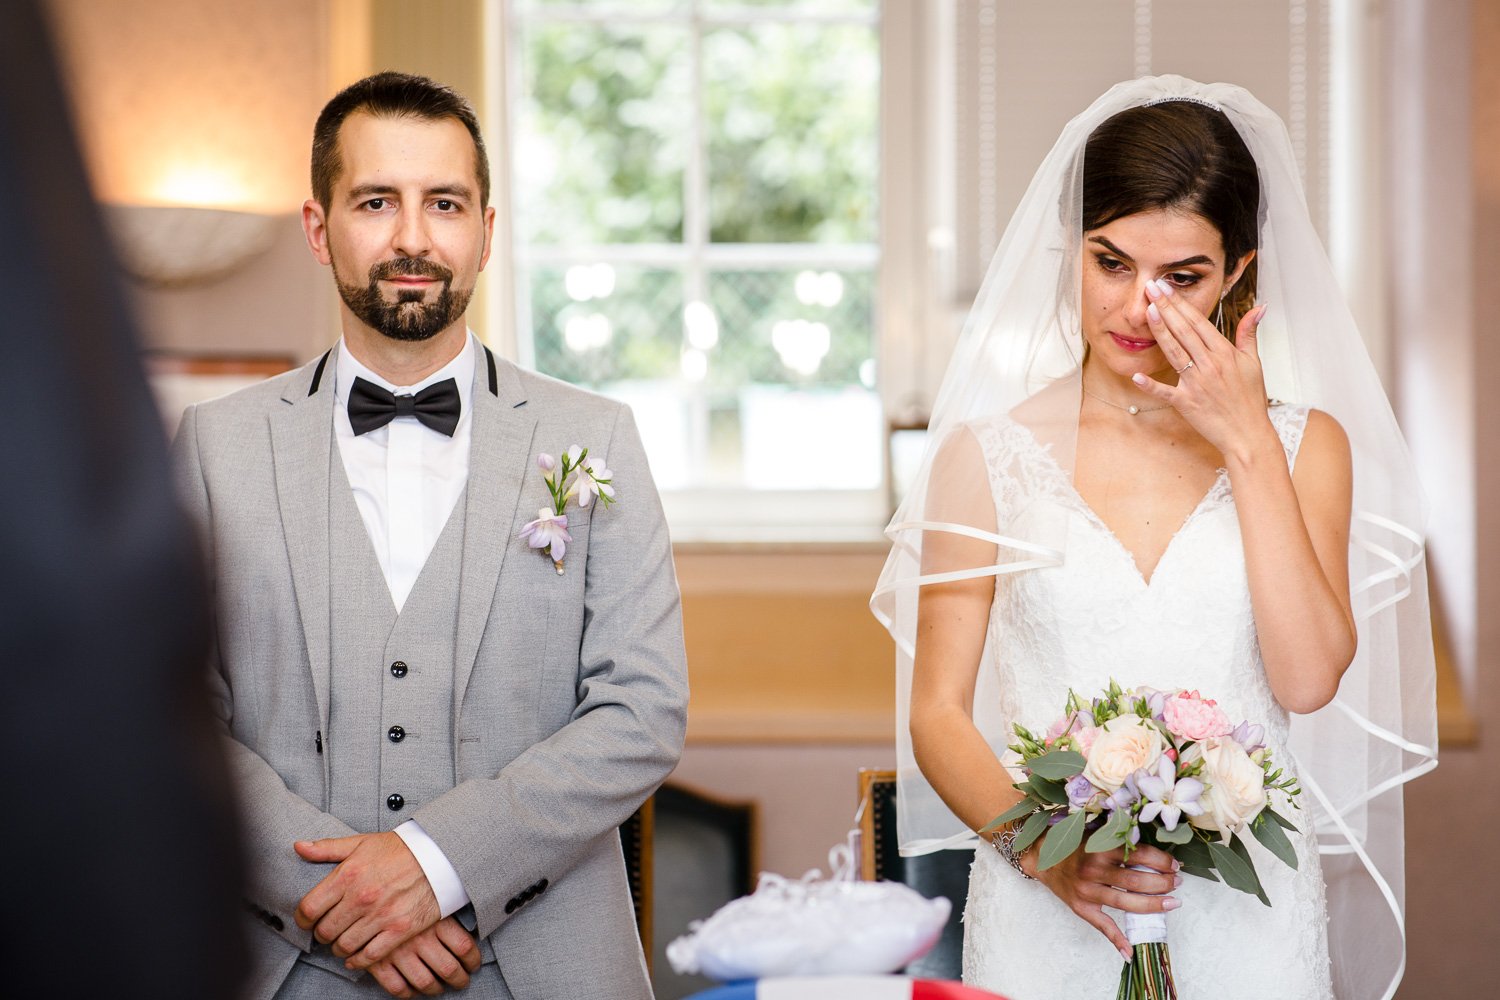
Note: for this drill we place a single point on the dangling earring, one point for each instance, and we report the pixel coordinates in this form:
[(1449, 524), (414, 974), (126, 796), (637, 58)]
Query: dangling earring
[(1219, 317)]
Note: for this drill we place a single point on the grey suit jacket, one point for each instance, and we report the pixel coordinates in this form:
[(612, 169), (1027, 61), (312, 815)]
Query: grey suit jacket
[(570, 692)]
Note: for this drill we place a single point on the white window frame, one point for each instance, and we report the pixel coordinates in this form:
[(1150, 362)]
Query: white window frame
[(900, 258)]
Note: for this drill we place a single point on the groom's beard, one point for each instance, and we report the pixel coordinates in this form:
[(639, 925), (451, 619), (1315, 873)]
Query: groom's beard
[(408, 318)]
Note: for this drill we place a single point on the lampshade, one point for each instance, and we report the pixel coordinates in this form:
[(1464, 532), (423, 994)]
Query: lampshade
[(173, 246)]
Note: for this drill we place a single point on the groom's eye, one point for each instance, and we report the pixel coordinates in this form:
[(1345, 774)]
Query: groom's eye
[(375, 204)]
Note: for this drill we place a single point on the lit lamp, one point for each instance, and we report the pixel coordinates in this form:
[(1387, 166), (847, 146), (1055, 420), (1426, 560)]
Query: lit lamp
[(175, 245)]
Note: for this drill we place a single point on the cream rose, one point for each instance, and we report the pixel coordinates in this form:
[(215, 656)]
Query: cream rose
[(1122, 746), (1234, 786)]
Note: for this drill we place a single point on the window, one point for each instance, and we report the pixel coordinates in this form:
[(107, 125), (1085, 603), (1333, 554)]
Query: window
[(695, 231)]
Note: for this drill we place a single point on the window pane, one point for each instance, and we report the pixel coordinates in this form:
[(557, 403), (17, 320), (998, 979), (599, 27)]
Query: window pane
[(791, 117), (792, 378), (601, 135), (592, 324), (810, 6)]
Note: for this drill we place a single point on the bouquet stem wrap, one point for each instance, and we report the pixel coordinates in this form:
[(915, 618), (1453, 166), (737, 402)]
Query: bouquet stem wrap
[(1148, 975)]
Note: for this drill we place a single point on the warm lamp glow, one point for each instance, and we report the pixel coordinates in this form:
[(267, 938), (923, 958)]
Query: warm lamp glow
[(201, 187)]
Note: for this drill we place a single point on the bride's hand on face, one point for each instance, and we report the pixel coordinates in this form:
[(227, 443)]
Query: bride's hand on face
[(1088, 883), (1220, 389)]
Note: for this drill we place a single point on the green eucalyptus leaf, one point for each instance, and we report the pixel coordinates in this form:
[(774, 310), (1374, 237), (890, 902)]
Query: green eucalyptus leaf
[(1047, 790), (1194, 852), (1062, 840), (1281, 820), (1237, 872), (1180, 835), (1023, 808), (1057, 765), (1274, 839), (1032, 829), (1241, 848), (1112, 834)]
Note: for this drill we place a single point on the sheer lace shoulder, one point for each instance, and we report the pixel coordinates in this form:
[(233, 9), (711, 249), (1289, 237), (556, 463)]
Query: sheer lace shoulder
[(1020, 468), (1290, 422)]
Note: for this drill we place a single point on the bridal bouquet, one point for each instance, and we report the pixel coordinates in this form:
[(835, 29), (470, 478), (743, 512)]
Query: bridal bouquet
[(1166, 768)]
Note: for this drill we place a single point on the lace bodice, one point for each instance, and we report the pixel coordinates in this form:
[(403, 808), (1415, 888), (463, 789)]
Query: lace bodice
[(1096, 617), (1092, 618)]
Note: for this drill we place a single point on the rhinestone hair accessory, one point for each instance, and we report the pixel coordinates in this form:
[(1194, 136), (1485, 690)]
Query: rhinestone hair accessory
[(1192, 100)]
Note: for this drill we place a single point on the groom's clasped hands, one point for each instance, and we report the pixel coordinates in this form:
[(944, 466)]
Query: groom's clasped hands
[(377, 911)]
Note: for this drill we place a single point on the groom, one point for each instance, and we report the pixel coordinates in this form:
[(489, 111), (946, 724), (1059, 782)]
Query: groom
[(434, 731)]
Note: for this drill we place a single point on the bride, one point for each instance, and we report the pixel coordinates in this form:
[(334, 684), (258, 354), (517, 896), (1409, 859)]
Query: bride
[(1114, 488)]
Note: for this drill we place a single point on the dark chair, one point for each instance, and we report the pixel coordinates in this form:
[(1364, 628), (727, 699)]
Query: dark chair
[(705, 856), (941, 873), (636, 835)]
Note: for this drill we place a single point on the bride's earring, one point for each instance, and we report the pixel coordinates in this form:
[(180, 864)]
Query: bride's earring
[(1219, 316)]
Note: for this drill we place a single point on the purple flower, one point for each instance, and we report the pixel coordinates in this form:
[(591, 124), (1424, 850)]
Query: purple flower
[(1250, 736), (1080, 791), (1125, 796), (549, 531), (1168, 795)]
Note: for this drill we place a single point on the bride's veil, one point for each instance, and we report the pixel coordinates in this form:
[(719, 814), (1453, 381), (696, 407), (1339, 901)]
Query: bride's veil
[(1019, 354)]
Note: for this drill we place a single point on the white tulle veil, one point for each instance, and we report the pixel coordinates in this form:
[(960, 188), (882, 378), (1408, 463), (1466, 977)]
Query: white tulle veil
[(1019, 354)]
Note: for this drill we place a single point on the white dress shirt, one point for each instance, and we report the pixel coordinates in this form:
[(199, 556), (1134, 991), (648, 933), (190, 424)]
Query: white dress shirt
[(406, 480)]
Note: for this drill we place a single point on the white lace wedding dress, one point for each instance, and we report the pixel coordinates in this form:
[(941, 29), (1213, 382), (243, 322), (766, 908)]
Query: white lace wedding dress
[(1190, 626)]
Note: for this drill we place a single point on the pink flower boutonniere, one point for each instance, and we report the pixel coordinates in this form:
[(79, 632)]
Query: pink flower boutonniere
[(576, 478)]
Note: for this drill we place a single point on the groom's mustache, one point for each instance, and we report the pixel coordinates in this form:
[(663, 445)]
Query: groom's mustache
[(410, 267)]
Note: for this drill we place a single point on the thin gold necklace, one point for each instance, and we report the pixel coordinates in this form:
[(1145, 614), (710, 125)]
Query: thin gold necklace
[(1131, 409)]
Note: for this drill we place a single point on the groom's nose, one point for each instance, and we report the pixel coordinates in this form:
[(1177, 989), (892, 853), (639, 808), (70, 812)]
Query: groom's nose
[(412, 237)]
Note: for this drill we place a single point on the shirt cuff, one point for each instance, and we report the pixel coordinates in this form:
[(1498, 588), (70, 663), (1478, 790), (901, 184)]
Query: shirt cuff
[(445, 882)]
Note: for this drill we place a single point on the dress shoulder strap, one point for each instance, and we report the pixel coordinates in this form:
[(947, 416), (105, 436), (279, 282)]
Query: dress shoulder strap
[(1290, 421)]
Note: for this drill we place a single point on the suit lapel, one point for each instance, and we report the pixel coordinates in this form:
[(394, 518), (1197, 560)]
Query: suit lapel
[(499, 460), (301, 439)]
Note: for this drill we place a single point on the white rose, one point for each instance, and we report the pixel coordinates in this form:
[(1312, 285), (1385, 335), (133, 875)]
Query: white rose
[(1122, 746), (1234, 786)]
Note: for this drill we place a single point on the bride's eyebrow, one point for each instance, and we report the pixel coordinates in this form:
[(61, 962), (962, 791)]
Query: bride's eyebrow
[(1174, 265)]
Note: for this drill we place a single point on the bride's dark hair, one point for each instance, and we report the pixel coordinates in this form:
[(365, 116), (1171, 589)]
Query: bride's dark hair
[(1183, 156)]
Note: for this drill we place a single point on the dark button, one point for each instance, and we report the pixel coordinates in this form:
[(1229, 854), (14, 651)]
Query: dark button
[(511, 906), (398, 669), (395, 734), (541, 886), (394, 802), (529, 893)]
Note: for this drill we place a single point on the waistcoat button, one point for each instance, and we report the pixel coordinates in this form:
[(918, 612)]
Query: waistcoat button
[(398, 669), (394, 802), (395, 734)]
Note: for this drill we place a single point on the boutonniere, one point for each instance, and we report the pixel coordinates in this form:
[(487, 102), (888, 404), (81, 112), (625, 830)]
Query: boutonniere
[(576, 478)]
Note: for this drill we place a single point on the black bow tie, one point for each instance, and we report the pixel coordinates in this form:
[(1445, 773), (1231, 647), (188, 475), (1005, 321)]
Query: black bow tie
[(436, 406)]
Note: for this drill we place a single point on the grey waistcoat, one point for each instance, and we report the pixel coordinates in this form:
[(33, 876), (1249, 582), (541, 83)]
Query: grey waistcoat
[(390, 737)]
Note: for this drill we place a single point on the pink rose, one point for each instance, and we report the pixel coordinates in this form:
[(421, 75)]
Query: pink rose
[(1191, 717), (1085, 738)]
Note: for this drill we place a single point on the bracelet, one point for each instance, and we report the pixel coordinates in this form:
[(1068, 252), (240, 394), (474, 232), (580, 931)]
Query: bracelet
[(1004, 840)]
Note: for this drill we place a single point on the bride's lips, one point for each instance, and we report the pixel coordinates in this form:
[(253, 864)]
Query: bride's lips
[(1131, 343)]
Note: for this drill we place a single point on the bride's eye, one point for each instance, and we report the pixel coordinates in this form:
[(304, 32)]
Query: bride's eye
[(1184, 279), (1110, 264)]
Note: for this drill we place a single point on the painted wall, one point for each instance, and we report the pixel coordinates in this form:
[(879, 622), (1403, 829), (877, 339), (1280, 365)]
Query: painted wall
[(1449, 363)]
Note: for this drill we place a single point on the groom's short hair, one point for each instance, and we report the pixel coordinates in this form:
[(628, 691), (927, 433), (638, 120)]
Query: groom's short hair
[(391, 95)]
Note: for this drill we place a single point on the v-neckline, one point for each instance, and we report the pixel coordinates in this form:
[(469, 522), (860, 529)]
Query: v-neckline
[(1092, 516)]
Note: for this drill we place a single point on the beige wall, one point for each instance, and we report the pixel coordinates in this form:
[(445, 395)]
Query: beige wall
[(1452, 877)]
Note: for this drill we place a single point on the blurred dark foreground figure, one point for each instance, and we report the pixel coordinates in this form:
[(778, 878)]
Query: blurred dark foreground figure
[(121, 868)]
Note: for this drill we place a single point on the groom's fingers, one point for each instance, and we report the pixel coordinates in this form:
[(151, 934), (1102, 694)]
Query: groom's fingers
[(333, 849), (328, 892), (459, 942)]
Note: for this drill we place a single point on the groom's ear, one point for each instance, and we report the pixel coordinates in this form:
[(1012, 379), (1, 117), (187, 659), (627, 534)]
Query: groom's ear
[(315, 228)]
